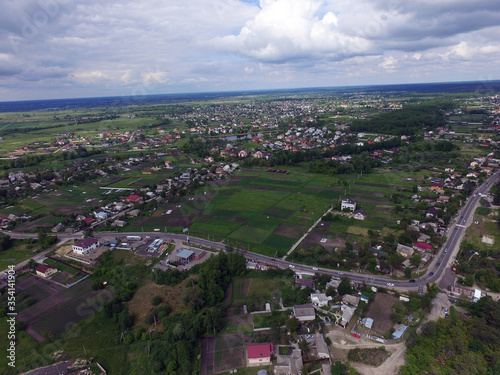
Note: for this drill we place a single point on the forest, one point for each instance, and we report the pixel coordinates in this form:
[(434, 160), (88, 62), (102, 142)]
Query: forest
[(410, 120), (458, 345)]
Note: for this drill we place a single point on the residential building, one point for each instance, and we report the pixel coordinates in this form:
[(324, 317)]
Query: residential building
[(421, 246), (86, 245), (351, 300), (259, 354), (45, 270), (348, 203), (320, 299), (405, 251), (360, 214), (304, 312)]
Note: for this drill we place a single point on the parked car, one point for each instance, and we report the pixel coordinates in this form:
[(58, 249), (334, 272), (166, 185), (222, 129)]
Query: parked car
[(390, 284)]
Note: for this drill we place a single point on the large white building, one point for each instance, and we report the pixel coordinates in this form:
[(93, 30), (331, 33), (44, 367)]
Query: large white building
[(348, 203), (86, 245)]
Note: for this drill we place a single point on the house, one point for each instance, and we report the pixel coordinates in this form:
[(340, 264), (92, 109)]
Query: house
[(321, 347), (351, 300), (405, 251), (59, 227), (359, 214), (259, 354), (347, 314), (119, 223), (88, 220), (44, 270), (432, 212), (305, 283), (169, 164), (399, 330), (443, 199), (101, 215), (258, 154), (367, 322), (304, 312), (86, 245), (242, 154), (348, 203), (420, 246), (134, 198), (289, 364), (320, 299)]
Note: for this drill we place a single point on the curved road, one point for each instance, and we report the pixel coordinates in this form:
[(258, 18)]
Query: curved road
[(436, 269)]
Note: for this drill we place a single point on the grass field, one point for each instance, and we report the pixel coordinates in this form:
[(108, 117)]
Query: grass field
[(17, 253)]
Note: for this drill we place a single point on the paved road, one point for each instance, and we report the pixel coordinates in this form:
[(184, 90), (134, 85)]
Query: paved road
[(436, 270)]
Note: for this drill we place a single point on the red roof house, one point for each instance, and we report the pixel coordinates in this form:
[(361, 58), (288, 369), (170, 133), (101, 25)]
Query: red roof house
[(45, 270), (134, 198), (259, 354), (422, 246)]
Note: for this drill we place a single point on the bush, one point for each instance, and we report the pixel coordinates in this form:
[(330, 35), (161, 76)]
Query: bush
[(156, 300)]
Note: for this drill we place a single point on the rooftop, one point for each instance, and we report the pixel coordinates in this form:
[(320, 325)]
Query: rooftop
[(259, 350)]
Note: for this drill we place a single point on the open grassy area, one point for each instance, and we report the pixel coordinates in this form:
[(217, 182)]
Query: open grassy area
[(18, 252)]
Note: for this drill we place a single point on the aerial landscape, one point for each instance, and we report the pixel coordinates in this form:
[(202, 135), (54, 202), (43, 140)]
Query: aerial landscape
[(279, 187)]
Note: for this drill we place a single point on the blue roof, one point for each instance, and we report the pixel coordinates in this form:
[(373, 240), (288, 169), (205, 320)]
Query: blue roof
[(397, 334)]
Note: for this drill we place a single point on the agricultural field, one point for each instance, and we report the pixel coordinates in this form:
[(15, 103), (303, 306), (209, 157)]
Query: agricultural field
[(253, 209)]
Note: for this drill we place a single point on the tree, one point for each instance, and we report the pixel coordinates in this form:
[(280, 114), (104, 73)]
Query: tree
[(408, 272), (156, 300), (304, 346), (330, 291), (292, 324), (5, 241), (338, 368), (415, 259), (345, 286)]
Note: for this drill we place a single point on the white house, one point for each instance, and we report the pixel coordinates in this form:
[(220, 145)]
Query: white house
[(86, 245), (360, 214), (348, 203), (320, 299)]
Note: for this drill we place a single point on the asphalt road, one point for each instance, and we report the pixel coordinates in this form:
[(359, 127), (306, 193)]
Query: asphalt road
[(436, 270)]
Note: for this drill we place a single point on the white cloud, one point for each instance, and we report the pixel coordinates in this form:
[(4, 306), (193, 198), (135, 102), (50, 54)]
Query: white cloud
[(172, 46)]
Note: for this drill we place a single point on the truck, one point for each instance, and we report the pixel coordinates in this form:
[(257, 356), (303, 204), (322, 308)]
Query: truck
[(134, 238)]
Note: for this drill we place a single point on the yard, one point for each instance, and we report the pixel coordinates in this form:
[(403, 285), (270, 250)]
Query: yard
[(380, 311)]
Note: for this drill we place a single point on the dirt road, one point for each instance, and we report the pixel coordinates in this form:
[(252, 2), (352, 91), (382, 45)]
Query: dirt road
[(342, 342)]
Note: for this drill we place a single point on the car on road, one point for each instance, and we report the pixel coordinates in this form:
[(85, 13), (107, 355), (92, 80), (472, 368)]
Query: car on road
[(291, 266), (431, 274), (273, 259), (315, 268), (355, 335), (390, 284), (446, 250), (412, 280), (438, 264), (446, 311)]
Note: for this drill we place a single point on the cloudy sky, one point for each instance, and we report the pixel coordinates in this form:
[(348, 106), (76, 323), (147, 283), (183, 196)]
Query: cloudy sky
[(84, 48)]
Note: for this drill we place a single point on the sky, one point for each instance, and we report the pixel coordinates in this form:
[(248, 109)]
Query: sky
[(53, 49)]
